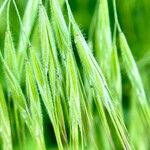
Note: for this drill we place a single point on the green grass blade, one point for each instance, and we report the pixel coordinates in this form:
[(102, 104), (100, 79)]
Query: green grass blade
[(45, 94), (5, 123), (102, 38), (35, 107), (115, 77), (9, 53), (52, 66), (72, 80), (98, 80), (17, 94), (134, 76)]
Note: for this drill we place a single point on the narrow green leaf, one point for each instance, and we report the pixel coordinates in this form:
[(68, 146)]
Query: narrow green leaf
[(134, 76), (103, 40), (9, 53), (17, 94), (96, 76), (35, 107), (45, 94), (5, 128)]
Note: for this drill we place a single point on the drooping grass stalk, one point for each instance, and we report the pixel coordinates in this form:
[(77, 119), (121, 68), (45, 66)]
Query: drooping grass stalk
[(86, 112), (74, 102), (133, 73), (16, 90), (41, 79), (98, 80), (22, 107), (105, 49), (24, 40), (132, 70), (102, 37), (51, 66), (35, 108), (9, 49), (9, 53), (10, 58), (134, 76), (17, 93), (72, 80), (26, 26)]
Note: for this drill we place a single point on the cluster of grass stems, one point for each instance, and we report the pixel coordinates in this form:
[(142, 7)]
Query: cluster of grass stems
[(75, 82)]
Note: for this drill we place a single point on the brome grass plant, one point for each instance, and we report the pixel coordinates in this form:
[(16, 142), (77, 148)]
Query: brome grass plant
[(60, 89)]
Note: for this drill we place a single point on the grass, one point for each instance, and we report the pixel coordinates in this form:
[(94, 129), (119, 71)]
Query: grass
[(59, 90)]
